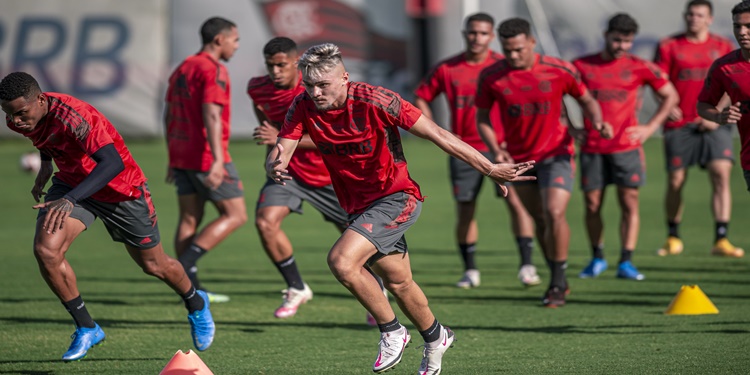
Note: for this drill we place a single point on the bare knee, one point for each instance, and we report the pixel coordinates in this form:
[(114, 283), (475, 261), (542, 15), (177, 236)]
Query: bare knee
[(676, 181), (48, 256), (555, 214), (343, 270), (153, 267), (266, 226), (397, 287)]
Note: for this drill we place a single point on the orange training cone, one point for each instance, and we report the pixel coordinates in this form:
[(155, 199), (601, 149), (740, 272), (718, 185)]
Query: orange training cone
[(691, 300), (185, 364)]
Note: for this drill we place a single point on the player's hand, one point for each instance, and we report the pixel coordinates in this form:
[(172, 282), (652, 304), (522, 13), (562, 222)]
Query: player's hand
[(503, 156), (675, 114), (579, 135), (57, 211), (506, 172), (266, 134), (731, 114), (44, 174), (215, 176), (606, 130), (638, 134), (170, 176), (273, 168), (705, 125)]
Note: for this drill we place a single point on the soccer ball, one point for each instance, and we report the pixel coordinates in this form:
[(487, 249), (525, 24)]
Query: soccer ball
[(30, 162)]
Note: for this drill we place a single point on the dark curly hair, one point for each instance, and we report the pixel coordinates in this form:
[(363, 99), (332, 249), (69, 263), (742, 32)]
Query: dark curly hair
[(213, 27), (514, 26), (18, 84), (742, 7), (279, 45), (622, 23)]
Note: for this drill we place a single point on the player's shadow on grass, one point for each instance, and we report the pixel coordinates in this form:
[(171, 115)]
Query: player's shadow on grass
[(625, 329), (28, 372), (536, 300), (288, 324), (59, 361), (687, 281)]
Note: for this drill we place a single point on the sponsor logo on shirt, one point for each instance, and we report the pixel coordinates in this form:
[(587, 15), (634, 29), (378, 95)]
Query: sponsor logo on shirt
[(529, 109), (345, 149)]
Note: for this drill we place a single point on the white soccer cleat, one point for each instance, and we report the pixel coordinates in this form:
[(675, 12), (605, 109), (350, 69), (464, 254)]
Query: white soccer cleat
[(528, 276), (392, 345), (293, 298), (432, 356), (470, 280)]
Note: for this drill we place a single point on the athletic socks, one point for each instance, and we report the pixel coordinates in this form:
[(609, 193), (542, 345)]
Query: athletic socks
[(188, 259), (288, 270), (525, 247), (77, 310), (598, 251), (433, 333), (467, 253), (674, 229), (391, 326), (626, 255), (721, 230), (193, 301), (558, 274)]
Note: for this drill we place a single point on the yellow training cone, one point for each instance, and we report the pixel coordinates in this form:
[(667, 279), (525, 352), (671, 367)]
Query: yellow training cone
[(185, 364), (691, 300)]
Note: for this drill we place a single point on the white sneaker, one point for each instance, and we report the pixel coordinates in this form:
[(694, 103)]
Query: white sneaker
[(470, 279), (392, 345), (527, 275), (432, 357), (292, 299)]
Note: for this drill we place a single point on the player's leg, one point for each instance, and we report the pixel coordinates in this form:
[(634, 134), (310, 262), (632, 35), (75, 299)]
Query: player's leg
[(522, 226), (191, 201), (681, 149), (630, 220), (719, 161), (466, 183), (594, 178)]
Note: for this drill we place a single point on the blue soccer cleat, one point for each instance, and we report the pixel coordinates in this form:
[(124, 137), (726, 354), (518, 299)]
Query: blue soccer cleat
[(627, 270), (83, 340), (202, 325), (594, 269)]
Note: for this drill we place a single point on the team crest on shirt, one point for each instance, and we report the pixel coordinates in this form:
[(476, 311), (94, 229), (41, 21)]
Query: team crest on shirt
[(526, 88), (714, 54), (625, 75), (507, 91), (545, 86), (590, 75)]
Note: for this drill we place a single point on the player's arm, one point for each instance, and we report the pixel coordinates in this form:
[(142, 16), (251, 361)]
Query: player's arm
[(667, 98), (108, 165), (167, 118), (728, 115), (42, 177), (268, 132), (593, 112), (707, 125), (500, 173), (487, 133), (212, 122), (423, 106), (278, 160)]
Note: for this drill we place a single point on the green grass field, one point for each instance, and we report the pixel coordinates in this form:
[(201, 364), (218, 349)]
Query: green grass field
[(609, 325)]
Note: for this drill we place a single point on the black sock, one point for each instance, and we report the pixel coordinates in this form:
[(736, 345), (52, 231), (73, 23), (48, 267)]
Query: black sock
[(558, 274), (674, 229), (525, 248), (391, 326), (721, 230), (626, 255), (77, 310), (433, 333), (467, 253), (193, 301), (188, 259), (288, 270), (598, 251)]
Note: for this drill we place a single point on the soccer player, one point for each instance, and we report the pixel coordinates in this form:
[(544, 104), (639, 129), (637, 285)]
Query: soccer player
[(97, 177), (197, 126), (272, 95), (690, 139), (529, 89), (457, 78), (730, 74), (615, 78), (356, 128)]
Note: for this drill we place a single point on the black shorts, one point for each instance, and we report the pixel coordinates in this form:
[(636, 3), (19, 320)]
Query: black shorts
[(467, 181), (556, 171), (687, 146), (385, 222), (294, 193), (626, 169), (191, 182), (131, 222)]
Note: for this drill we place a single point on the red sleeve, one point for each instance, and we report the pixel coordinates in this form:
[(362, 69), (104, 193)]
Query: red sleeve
[(713, 88), (653, 76), (407, 114), (484, 98), (431, 86), (662, 57), (214, 86), (293, 127)]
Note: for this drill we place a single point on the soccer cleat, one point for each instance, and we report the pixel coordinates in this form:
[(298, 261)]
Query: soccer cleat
[(626, 270), (202, 326), (725, 248), (83, 340), (293, 298), (392, 345), (470, 280), (217, 298), (432, 356), (555, 297), (528, 276), (594, 269), (673, 246)]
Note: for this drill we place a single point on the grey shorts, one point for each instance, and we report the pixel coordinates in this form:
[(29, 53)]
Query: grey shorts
[(467, 181), (191, 182), (556, 171), (385, 222), (626, 169), (294, 193), (687, 146), (131, 222)]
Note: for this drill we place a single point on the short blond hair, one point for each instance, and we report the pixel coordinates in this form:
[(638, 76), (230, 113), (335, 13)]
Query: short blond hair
[(319, 59)]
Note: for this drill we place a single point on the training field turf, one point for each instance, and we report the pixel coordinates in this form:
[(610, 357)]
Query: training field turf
[(609, 325)]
